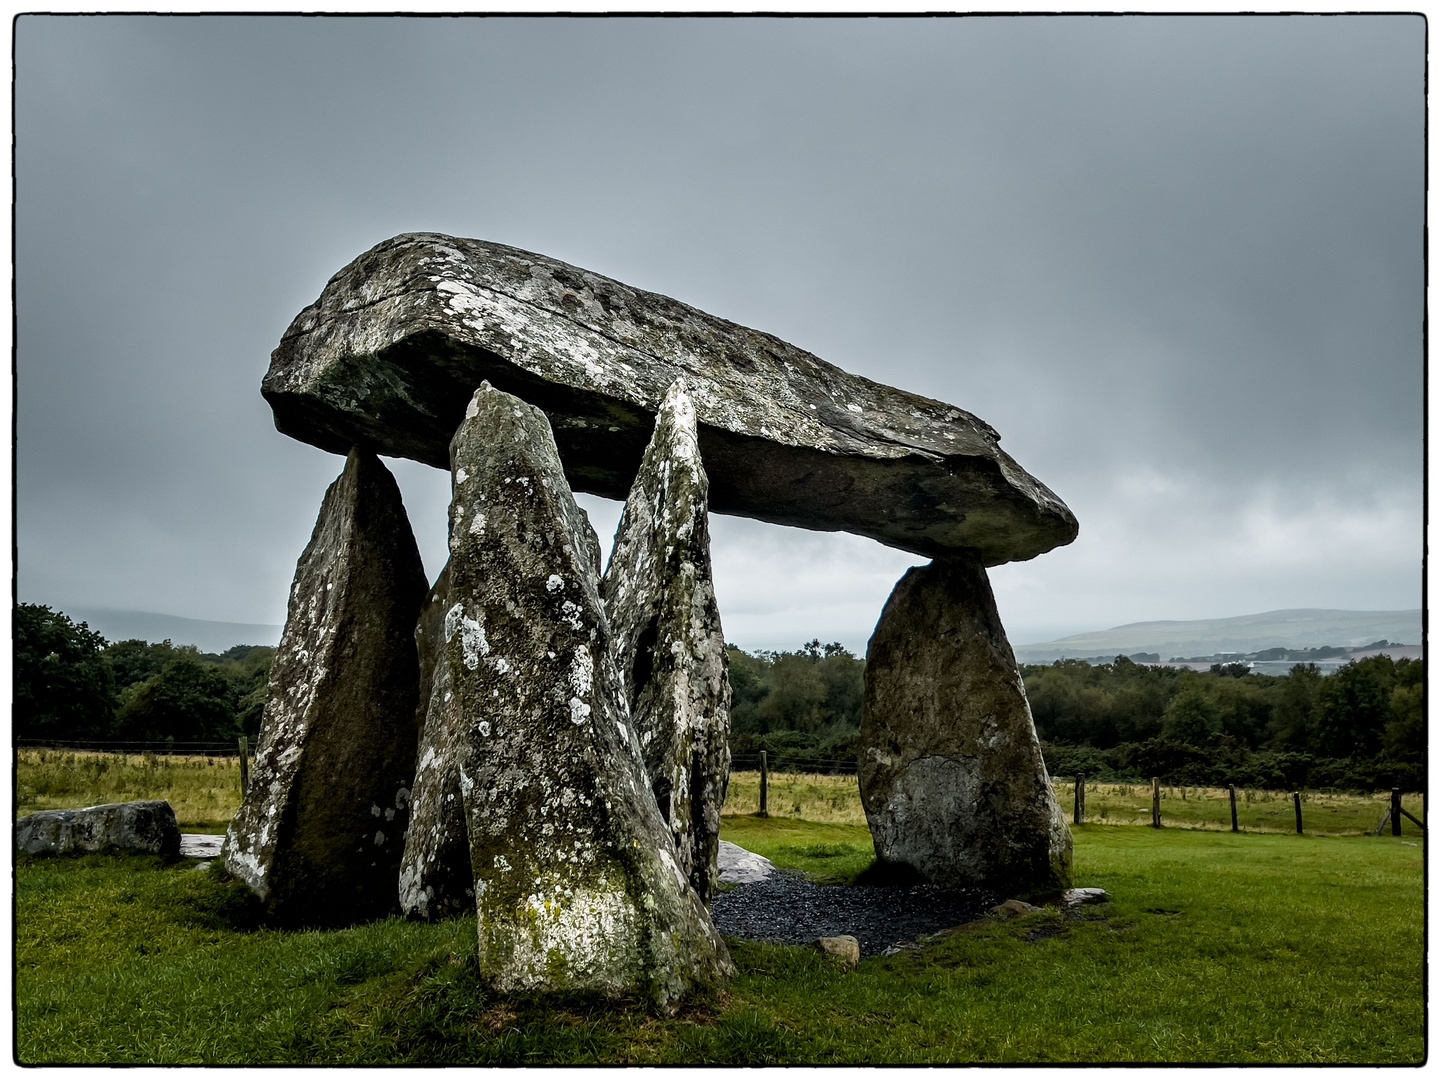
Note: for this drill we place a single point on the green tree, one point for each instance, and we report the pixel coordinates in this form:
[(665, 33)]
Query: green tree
[(1191, 718), (1355, 708), (1292, 720), (189, 701), (1405, 731), (64, 688), (134, 660)]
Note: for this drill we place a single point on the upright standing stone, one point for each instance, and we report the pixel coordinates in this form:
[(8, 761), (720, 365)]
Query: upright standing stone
[(435, 881), (576, 882), (667, 642), (951, 775), (321, 831)]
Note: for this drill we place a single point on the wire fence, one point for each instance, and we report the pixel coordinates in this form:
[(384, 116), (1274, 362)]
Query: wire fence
[(782, 761), (111, 746)]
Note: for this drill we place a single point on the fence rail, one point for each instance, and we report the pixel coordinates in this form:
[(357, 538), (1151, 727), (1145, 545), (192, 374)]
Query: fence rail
[(110, 746), (780, 761)]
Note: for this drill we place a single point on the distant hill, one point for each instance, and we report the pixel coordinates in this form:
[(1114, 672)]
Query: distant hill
[(207, 636), (1293, 628)]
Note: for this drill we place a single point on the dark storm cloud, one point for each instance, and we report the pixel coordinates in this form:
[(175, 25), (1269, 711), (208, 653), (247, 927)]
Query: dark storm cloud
[(1177, 262)]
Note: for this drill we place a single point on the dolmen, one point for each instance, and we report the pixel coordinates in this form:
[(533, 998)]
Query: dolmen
[(545, 744)]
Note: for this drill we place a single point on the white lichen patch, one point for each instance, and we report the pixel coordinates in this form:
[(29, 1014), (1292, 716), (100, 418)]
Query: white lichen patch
[(472, 642)]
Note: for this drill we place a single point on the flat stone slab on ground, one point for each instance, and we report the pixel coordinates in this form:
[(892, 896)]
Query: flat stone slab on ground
[(147, 827), (200, 845), (741, 867)]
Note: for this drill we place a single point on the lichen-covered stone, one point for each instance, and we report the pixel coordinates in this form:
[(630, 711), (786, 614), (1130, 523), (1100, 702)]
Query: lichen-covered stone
[(576, 882), (146, 827), (322, 828), (666, 639), (951, 775), (391, 351), (435, 879)]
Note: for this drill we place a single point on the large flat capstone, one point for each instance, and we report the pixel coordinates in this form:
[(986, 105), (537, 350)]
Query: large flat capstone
[(391, 352)]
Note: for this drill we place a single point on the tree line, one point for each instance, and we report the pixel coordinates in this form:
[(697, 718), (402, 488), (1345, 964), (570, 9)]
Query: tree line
[(1362, 727), (71, 684)]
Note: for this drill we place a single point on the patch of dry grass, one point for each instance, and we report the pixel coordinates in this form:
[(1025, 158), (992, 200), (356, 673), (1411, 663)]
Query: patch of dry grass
[(812, 796), (1257, 810), (203, 791)]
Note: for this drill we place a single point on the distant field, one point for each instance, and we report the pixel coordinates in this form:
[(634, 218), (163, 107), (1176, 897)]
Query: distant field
[(205, 793), (836, 799)]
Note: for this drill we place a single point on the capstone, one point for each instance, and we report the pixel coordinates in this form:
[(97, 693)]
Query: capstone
[(666, 641), (389, 354), (145, 827), (951, 775), (576, 881), (322, 828)]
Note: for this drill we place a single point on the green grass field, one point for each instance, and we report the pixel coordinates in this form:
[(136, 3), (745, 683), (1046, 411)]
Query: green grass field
[(1214, 948)]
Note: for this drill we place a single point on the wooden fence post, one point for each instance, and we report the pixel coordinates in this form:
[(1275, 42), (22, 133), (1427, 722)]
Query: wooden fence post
[(1155, 801), (244, 766), (764, 784), (1395, 811), (1299, 821), (1234, 815), (1080, 799)]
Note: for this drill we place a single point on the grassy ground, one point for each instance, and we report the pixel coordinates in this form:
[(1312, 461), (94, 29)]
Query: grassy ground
[(1214, 948)]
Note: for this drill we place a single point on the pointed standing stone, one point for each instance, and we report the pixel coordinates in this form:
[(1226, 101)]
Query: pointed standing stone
[(574, 872), (951, 775), (322, 828), (667, 642)]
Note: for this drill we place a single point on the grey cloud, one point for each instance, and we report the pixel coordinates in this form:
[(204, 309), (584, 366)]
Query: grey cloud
[(1179, 247)]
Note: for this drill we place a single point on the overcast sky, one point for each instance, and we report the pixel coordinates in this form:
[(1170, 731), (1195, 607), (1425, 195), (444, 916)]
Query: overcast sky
[(1176, 262)]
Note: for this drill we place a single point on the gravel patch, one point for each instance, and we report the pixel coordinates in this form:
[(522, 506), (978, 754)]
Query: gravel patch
[(788, 909)]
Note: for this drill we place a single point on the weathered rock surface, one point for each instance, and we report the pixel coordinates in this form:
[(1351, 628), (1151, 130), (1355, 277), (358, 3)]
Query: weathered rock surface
[(435, 879), (201, 845), (322, 828), (844, 947), (951, 775), (576, 882), (740, 867), (666, 641), (147, 827), (389, 354), (1079, 897)]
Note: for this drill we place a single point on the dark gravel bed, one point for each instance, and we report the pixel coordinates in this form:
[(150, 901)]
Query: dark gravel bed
[(787, 909)]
